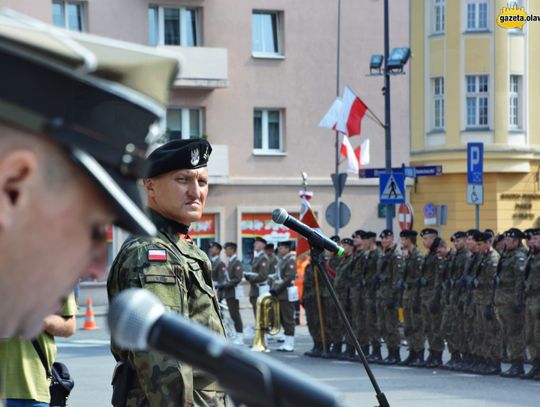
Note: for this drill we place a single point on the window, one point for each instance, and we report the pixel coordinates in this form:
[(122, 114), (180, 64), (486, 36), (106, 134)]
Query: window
[(267, 130), (477, 101), (514, 102), (438, 16), (184, 123), (438, 105), (477, 15), (266, 33), (68, 15), (174, 26)]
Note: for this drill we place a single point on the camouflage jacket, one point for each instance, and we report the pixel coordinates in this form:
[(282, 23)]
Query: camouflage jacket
[(370, 266), (389, 271), (359, 261), (261, 267), (179, 273), (343, 275), (508, 280), (483, 280), (412, 272), (234, 276), (533, 281), (285, 275), (428, 279)]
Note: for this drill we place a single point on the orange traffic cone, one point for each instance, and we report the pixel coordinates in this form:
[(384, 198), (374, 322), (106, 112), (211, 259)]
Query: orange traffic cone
[(89, 320)]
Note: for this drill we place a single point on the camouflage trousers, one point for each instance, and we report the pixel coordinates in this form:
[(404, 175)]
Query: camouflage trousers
[(359, 317), (532, 329), (388, 324), (331, 319), (338, 333), (468, 325), (432, 326), (486, 334), (450, 327), (373, 331), (413, 325), (312, 318), (512, 330)]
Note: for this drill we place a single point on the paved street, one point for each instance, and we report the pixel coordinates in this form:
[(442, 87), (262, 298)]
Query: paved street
[(88, 357)]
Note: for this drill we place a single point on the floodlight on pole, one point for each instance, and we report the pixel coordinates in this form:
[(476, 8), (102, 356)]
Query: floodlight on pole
[(398, 58), (376, 63)]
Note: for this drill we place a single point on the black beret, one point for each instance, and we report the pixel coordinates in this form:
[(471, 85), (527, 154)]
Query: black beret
[(286, 243), (458, 235), (531, 232), (481, 236), (436, 243), (500, 237), (408, 233), (269, 246), (348, 241), (386, 233), (428, 232), (490, 232), (335, 238), (370, 235), (260, 239), (215, 244), (514, 233), (231, 244), (179, 155), (358, 233), (471, 232)]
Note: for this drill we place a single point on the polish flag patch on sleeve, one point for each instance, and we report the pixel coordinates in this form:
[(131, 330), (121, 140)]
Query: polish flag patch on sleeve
[(157, 255)]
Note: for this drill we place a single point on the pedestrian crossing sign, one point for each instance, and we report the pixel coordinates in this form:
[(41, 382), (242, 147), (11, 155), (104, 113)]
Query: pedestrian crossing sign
[(392, 188)]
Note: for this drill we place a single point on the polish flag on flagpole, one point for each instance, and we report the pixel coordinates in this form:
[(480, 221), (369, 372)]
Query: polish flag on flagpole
[(355, 158), (308, 217), (331, 117), (352, 113)]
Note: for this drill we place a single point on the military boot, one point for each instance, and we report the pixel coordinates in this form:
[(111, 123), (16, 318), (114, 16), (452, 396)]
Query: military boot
[(493, 367), (455, 358), (429, 359), (515, 370), (335, 351), (418, 360), (365, 351), (465, 363), (478, 366), (409, 359), (535, 370), (328, 353), (345, 354), (375, 356), (311, 353), (436, 360), (393, 357)]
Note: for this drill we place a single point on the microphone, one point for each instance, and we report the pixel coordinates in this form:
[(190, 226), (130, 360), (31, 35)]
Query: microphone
[(314, 237), (138, 321)]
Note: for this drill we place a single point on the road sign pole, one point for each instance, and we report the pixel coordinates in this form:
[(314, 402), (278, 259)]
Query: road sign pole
[(477, 217)]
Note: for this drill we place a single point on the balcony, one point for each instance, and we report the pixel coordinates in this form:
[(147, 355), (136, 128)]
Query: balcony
[(202, 67)]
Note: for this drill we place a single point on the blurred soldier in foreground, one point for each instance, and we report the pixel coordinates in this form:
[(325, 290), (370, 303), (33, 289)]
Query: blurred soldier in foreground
[(75, 114), (172, 267)]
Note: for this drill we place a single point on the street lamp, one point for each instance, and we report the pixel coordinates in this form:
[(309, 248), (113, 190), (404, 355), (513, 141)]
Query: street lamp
[(397, 59)]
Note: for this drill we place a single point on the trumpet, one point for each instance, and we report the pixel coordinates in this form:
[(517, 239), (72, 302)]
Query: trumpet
[(266, 321)]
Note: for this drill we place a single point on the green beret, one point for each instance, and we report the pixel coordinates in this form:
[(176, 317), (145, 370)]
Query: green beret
[(179, 155)]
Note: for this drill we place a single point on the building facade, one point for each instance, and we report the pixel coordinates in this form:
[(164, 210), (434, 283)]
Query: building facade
[(256, 79), (473, 81)]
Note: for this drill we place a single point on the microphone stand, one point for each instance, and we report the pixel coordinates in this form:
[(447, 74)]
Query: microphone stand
[(316, 256)]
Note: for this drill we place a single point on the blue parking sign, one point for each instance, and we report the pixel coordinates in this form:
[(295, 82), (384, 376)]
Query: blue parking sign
[(475, 163)]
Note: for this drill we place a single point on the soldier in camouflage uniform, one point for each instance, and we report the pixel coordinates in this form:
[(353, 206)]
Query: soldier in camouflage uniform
[(452, 325), (530, 297), (219, 268), (413, 327), (233, 277), (309, 302), (332, 262), (509, 313), (172, 267), (281, 282), (258, 276), (428, 283), (358, 311), (389, 272), (447, 258)]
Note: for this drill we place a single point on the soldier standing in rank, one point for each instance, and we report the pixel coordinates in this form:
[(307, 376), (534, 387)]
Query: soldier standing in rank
[(269, 250), (413, 328), (357, 291), (282, 285), (509, 313), (453, 315), (309, 302), (389, 272), (258, 276), (332, 263), (530, 298), (218, 266), (172, 267), (230, 285)]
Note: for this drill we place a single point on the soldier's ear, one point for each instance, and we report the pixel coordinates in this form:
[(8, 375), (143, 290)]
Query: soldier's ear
[(17, 168)]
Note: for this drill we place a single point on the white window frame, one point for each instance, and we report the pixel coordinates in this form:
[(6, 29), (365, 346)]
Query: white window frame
[(65, 5), (160, 35), (480, 97), (279, 24), (186, 120), (515, 115), (438, 93), (265, 150), (439, 16), (475, 6)]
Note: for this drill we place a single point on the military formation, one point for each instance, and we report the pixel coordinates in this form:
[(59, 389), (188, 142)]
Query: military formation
[(478, 295)]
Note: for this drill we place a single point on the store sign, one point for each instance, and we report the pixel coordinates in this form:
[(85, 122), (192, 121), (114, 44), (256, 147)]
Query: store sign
[(261, 224), (206, 227)]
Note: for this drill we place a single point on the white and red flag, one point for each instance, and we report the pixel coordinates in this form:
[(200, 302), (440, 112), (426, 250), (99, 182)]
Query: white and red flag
[(355, 158), (308, 217), (331, 117), (352, 112)]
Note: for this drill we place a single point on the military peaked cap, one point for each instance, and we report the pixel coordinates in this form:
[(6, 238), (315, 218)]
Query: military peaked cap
[(286, 243), (408, 233), (260, 239), (428, 232), (102, 100), (179, 155), (348, 241), (231, 245), (215, 244), (269, 246)]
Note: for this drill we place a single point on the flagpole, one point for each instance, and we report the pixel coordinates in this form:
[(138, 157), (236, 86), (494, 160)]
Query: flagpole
[(336, 199)]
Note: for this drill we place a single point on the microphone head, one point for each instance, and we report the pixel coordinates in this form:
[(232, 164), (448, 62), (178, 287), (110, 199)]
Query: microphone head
[(279, 215), (132, 314)]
